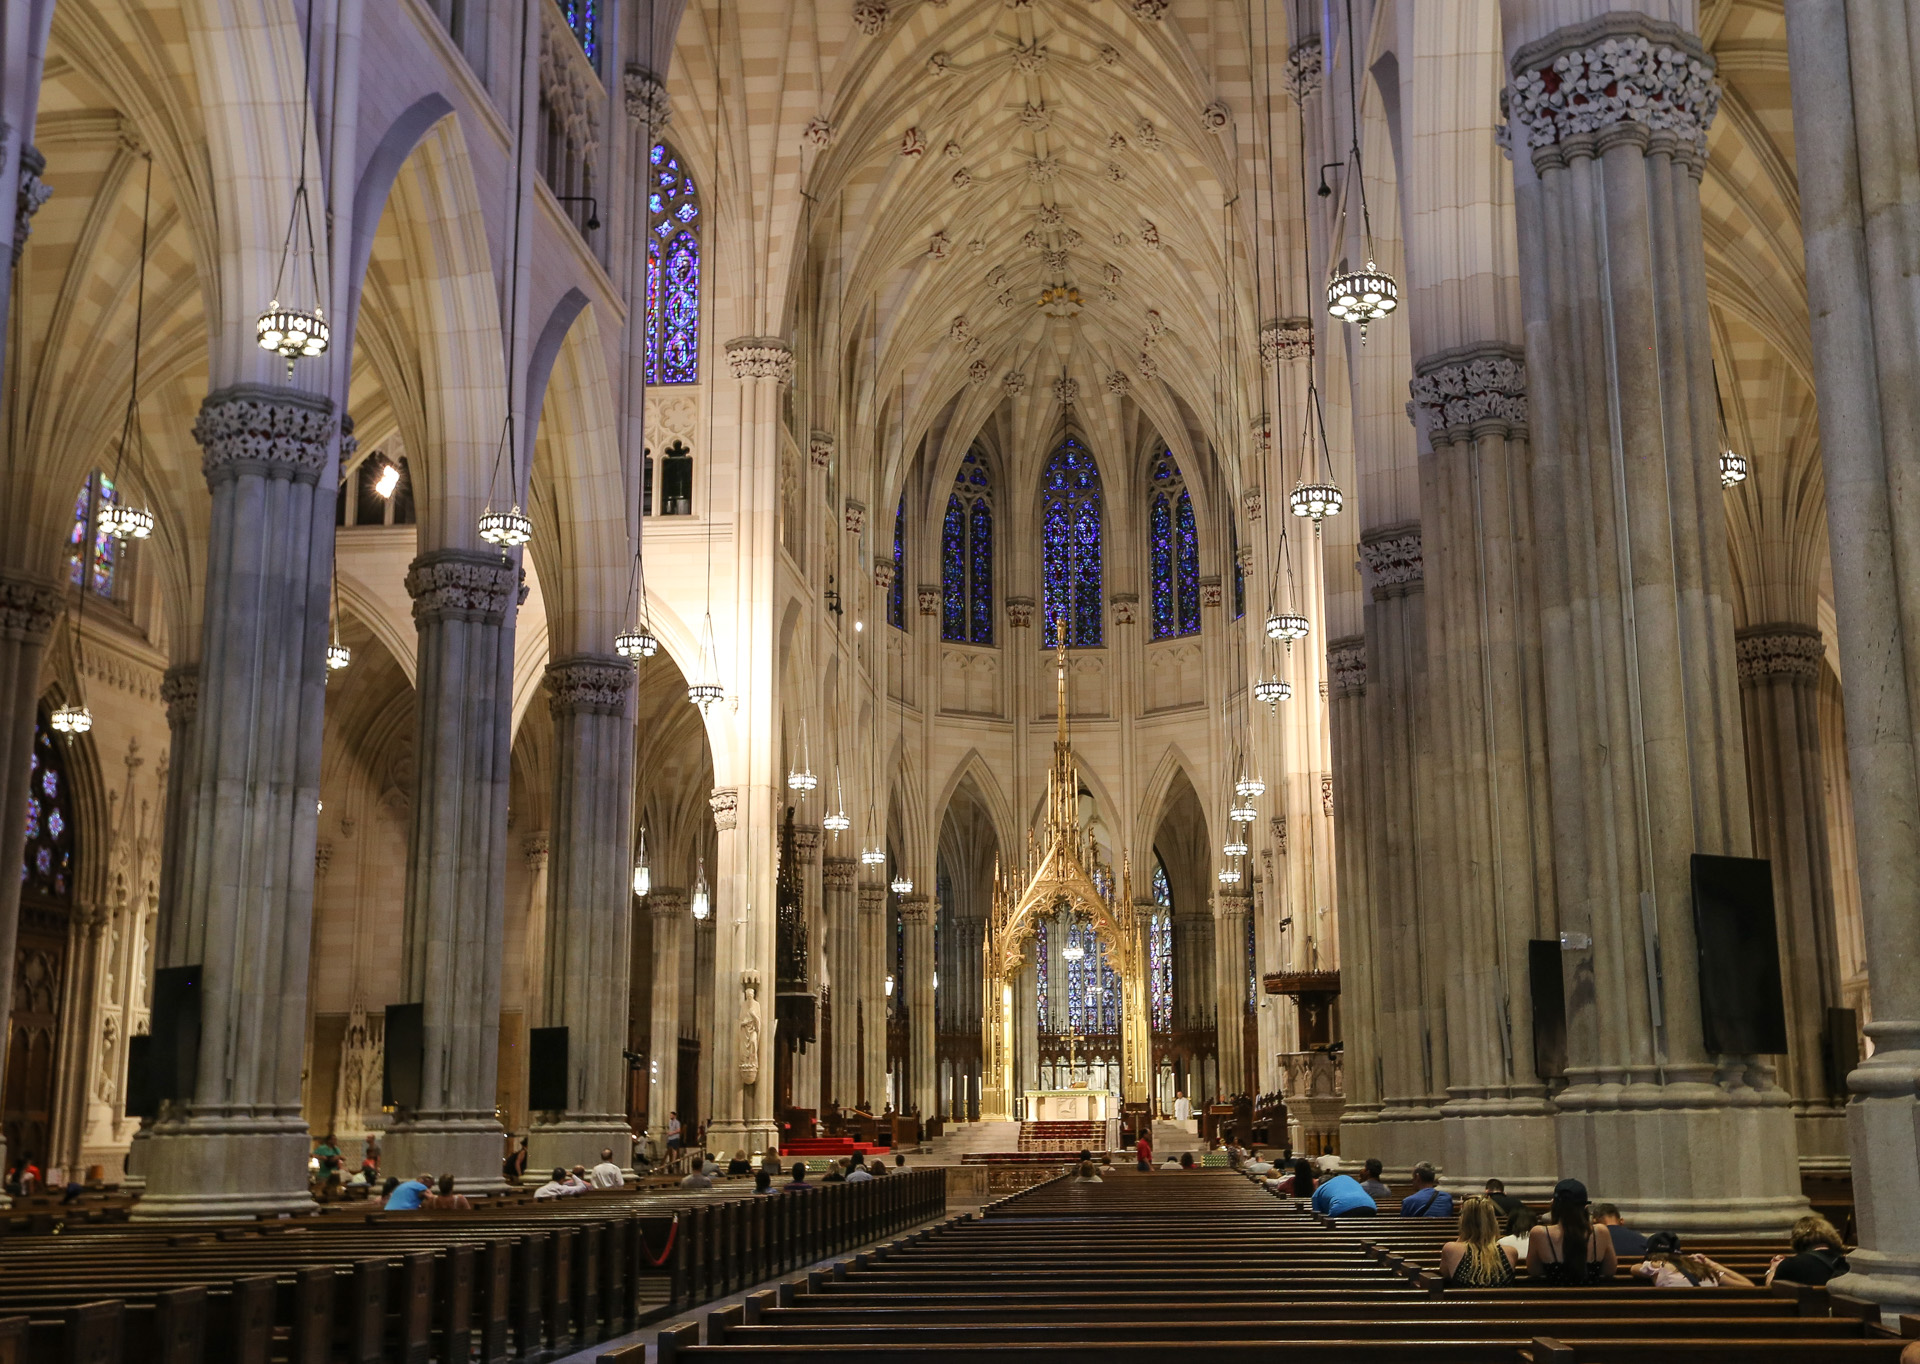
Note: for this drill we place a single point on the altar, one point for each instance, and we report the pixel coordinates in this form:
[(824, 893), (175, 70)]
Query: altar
[(1069, 1105)]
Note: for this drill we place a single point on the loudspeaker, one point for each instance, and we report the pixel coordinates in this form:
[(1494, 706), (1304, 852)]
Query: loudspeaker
[(141, 1100), (404, 1056), (1842, 1041), (547, 1070), (173, 1066), (1741, 1008), (1549, 991)]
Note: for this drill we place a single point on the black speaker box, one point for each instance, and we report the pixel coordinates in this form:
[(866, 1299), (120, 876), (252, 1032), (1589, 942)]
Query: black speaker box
[(404, 1051), (547, 1070), (173, 1065), (1742, 1012), (142, 1102), (1549, 992)]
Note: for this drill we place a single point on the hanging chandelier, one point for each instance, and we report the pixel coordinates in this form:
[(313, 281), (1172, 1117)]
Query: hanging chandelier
[(126, 523), (1287, 625), (835, 821), (292, 332), (706, 691), (120, 521), (636, 642), (1230, 876), (339, 656), (1249, 787), (386, 481), (902, 884), (506, 529), (71, 719), (1733, 469), (642, 873), (1272, 690), (803, 780), (702, 902), (1243, 813), (873, 857), (1234, 847), (1316, 501), (1073, 951), (1362, 296)]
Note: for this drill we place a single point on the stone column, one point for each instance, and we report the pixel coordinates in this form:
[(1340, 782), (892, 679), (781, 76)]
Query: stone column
[(237, 1145), (838, 875), (872, 998), (463, 604), (1853, 123), (668, 911), (1230, 987), (743, 996), (1360, 999), (806, 1062), (923, 1081), (589, 903), (1646, 764), (27, 612), (1496, 893), (1780, 702)]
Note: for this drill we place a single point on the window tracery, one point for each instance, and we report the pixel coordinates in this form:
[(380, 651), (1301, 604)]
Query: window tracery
[(1174, 551), (966, 554), (673, 271), (1072, 545), (897, 594)]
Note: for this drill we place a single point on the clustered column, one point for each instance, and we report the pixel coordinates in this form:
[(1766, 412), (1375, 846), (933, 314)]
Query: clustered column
[(838, 875), (806, 1063), (236, 1144), (589, 907), (1230, 984), (667, 909), (872, 998), (1853, 121), (922, 1095), (1360, 989), (464, 602)]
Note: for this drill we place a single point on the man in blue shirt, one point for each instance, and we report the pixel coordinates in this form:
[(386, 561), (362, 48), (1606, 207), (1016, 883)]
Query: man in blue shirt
[(1426, 1200), (406, 1196), (1342, 1196)]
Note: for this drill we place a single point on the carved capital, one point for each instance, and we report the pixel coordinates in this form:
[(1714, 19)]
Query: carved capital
[(1391, 561), (1304, 70), (1347, 665), (760, 357), (27, 609), (30, 194), (180, 693), (667, 903), (916, 909), (839, 873), (872, 899), (535, 847), (725, 803), (1232, 904), (806, 842), (883, 574), (856, 516), (455, 584), (870, 16), (1472, 390), (588, 684), (1764, 652), (1020, 612), (1623, 67), (322, 859), (1210, 594), (1326, 794), (277, 432), (646, 99), (820, 448), (929, 599), (1125, 607)]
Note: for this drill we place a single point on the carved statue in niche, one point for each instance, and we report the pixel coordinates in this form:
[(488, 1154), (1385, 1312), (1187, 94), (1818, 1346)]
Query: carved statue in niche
[(749, 1027)]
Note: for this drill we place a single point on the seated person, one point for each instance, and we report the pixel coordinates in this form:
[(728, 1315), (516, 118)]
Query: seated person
[(1186, 1160), (1477, 1259), (799, 1180), (1668, 1267), (762, 1182), (444, 1199), (697, 1178), (1343, 1196), (1572, 1252), (1083, 1174), (407, 1197), (1297, 1183), (1626, 1241), (1504, 1203), (836, 1173), (857, 1172), (1107, 1167), (1818, 1254), (1171, 1163), (1518, 1227), (1428, 1199), (560, 1186), (1375, 1186), (739, 1165), (1254, 1165)]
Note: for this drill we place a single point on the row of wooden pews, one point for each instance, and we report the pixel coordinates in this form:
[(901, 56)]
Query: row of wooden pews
[(1210, 1264), (512, 1280)]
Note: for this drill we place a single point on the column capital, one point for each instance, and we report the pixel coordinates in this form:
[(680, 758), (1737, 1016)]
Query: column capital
[(725, 804), (646, 98), (1232, 904), (461, 584), (1780, 649), (820, 448), (180, 693), (667, 902), (806, 842), (1623, 67), (839, 873), (1468, 391), (916, 908), (1391, 560), (760, 357), (535, 847), (27, 608), (1020, 612), (1304, 70), (276, 432), (1288, 338), (588, 684), (872, 899)]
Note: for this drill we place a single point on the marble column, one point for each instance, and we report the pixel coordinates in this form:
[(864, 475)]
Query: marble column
[(236, 1146), (838, 875), (807, 1057), (1646, 763), (1230, 987), (464, 602), (667, 910), (871, 995), (1359, 937), (27, 612), (1780, 701), (743, 995), (1496, 893), (589, 904), (923, 1081), (1853, 80)]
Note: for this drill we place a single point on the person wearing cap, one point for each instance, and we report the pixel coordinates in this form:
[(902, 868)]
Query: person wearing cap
[(1669, 1267), (1572, 1252)]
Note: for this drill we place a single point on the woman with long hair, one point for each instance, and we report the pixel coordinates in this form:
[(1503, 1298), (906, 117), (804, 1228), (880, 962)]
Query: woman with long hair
[(1572, 1252), (1669, 1267), (1477, 1259)]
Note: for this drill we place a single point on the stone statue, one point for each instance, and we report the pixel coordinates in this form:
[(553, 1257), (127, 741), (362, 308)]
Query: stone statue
[(749, 1043)]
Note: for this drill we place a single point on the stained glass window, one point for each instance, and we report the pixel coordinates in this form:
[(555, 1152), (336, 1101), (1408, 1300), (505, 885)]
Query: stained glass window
[(1253, 979), (673, 272), (89, 541), (1040, 971), (47, 868), (1239, 572), (1174, 549), (1093, 990), (966, 556), (1160, 952), (897, 598), (1071, 545), (583, 18)]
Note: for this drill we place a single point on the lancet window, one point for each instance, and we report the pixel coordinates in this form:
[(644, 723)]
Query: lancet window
[(897, 596), (1093, 988), (47, 870), (1040, 974), (966, 556), (673, 271), (1174, 551), (1072, 545), (1160, 952), (93, 555), (583, 17)]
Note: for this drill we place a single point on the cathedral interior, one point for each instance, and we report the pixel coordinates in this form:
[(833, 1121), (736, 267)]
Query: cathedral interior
[(568, 566)]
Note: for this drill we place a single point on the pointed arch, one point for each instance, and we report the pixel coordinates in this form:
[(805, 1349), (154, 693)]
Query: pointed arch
[(673, 291), (966, 554)]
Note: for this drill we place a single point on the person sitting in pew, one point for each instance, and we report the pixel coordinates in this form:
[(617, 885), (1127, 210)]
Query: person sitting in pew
[(857, 1172), (1171, 1163), (1519, 1224), (1504, 1203), (836, 1173), (1083, 1174), (1668, 1267), (1107, 1166), (607, 1175), (799, 1184), (739, 1165), (1255, 1165), (1571, 1253), (696, 1178), (1343, 1196), (408, 1197), (1626, 1241), (1375, 1186), (762, 1182), (444, 1199), (1186, 1160), (1428, 1199), (560, 1186), (1297, 1183), (1477, 1259), (1818, 1254)]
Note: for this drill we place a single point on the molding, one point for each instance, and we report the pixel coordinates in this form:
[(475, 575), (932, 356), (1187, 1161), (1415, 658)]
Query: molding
[(760, 357), (1620, 68), (1347, 665), (916, 909), (1390, 560), (667, 904), (820, 448), (929, 596), (883, 574), (839, 873), (1764, 652), (1474, 390), (856, 516), (588, 684), (872, 899), (570, 84), (258, 429), (806, 842), (1126, 607), (460, 584), (1020, 612)]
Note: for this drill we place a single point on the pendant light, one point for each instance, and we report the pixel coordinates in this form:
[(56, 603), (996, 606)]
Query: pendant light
[(1733, 466), (72, 718), (1229, 876), (705, 690), (1359, 296), (1273, 690), (513, 528), (289, 330), (835, 820), (702, 903), (902, 883), (117, 518), (802, 779), (642, 873), (637, 641)]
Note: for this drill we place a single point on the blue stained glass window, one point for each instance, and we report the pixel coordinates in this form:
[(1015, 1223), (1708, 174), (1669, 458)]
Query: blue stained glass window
[(95, 494), (1253, 981), (673, 271), (1174, 548), (1071, 546), (1040, 971), (47, 868), (1160, 952), (583, 18), (966, 556), (1093, 989), (897, 599)]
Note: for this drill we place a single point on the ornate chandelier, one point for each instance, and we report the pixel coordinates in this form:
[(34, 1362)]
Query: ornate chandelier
[(71, 719), (705, 692), (1287, 625), (339, 656), (293, 332), (835, 821), (902, 884), (702, 902), (126, 523), (1272, 690), (804, 780), (642, 873), (506, 529), (1733, 468), (873, 857), (1362, 296), (1230, 876), (1243, 813), (1234, 847), (1316, 501), (1249, 787), (636, 642)]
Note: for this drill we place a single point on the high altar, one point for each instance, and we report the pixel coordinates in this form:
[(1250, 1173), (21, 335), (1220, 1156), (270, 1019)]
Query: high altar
[(1070, 1105), (1061, 878)]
